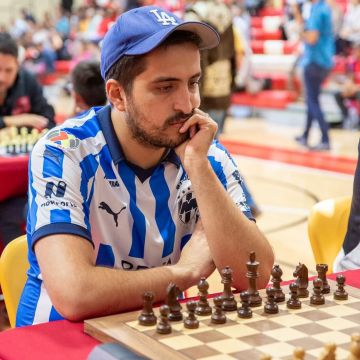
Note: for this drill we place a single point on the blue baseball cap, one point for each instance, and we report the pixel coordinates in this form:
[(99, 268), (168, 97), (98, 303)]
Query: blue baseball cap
[(138, 31)]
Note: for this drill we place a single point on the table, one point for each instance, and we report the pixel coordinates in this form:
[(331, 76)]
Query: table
[(13, 176), (66, 340)]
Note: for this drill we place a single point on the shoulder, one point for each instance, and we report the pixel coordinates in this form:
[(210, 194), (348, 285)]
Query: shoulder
[(76, 137)]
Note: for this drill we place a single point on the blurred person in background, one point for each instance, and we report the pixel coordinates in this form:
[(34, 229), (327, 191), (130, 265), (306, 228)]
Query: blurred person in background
[(88, 86), (22, 104)]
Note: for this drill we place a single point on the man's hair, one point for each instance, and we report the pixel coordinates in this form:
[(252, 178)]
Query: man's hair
[(127, 68), (88, 83), (8, 45)]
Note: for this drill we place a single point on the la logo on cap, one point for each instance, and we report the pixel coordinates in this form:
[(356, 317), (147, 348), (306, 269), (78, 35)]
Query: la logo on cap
[(164, 18)]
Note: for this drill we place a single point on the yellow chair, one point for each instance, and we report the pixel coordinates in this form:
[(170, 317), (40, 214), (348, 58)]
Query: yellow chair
[(327, 225), (13, 266)]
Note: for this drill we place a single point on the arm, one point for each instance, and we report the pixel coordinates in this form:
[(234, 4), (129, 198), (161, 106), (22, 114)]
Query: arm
[(80, 290), (230, 235), (310, 36)]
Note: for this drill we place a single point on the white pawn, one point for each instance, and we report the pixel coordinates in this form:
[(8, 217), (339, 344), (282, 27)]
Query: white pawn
[(355, 347), (328, 352)]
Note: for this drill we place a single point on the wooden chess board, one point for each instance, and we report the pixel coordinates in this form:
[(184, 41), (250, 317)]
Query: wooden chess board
[(310, 327)]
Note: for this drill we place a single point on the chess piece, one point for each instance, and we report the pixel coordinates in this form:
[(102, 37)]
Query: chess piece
[(340, 293), (354, 347), (244, 311), (294, 302), (172, 293), (252, 274), (229, 302), (302, 280), (147, 316), (317, 298), (265, 357), (299, 354), (328, 352), (164, 327), (322, 270), (203, 308), (276, 274), (271, 306), (218, 317), (191, 322)]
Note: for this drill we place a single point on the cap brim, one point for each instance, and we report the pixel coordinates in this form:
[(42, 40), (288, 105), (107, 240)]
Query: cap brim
[(208, 35)]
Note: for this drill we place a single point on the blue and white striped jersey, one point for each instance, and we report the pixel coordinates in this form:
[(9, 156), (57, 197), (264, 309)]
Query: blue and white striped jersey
[(81, 184)]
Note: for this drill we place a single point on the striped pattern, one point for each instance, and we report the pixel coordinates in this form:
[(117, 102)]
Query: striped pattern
[(75, 187)]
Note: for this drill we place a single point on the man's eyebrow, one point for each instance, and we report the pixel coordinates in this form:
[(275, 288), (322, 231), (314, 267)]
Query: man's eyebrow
[(168, 78)]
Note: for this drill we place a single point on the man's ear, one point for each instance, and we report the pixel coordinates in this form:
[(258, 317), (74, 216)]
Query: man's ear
[(80, 104), (116, 94)]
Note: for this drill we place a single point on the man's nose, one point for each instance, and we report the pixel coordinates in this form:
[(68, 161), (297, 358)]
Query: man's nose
[(186, 101)]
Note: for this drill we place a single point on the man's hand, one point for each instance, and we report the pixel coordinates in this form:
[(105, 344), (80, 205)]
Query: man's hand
[(30, 120), (196, 260), (202, 130)]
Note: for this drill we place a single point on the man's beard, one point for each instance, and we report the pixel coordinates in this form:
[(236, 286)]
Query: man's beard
[(155, 137)]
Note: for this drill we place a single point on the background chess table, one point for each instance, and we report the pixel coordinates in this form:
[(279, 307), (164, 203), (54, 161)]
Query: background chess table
[(310, 327)]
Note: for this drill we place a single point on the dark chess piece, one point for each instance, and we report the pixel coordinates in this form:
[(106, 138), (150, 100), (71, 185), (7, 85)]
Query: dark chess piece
[(218, 317), (164, 327), (317, 298), (276, 274), (229, 302), (302, 281), (271, 306), (340, 293), (191, 322), (147, 316), (203, 308), (244, 311), (294, 302), (252, 274), (322, 270), (172, 293)]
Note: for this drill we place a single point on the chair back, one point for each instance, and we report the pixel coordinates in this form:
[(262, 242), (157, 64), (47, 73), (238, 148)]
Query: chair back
[(13, 267), (327, 225)]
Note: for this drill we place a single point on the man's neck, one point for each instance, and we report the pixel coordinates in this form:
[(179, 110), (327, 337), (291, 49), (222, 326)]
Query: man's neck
[(135, 152)]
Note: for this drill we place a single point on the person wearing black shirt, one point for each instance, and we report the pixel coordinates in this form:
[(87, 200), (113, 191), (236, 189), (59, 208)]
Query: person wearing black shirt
[(22, 104)]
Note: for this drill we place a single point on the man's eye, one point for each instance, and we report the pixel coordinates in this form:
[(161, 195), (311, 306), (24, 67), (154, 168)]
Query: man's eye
[(194, 84), (165, 89)]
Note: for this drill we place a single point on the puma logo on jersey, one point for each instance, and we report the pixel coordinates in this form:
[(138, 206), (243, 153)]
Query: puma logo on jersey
[(104, 206)]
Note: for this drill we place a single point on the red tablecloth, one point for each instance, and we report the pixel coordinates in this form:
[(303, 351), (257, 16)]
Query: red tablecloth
[(66, 340), (13, 176)]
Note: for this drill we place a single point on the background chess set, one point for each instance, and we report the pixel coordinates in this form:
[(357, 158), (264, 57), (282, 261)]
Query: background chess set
[(311, 327), (14, 141)]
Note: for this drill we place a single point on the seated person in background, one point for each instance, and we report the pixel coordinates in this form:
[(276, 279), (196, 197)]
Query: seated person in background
[(21, 104), (350, 87), (349, 255), (138, 185), (88, 86)]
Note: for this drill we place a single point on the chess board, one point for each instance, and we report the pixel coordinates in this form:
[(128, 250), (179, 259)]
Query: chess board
[(310, 327)]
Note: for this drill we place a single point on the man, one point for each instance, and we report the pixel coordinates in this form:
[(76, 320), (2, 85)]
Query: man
[(21, 104), (88, 86), (136, 185), (317, 61), (348, 257), (350, 88)]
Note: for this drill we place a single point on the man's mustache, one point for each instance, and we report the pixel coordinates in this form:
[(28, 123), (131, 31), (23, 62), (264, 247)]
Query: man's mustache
[(179, 117)]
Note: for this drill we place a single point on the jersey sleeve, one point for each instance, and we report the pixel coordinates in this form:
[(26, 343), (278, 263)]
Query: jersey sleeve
[(227, 172), (58, 199)]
